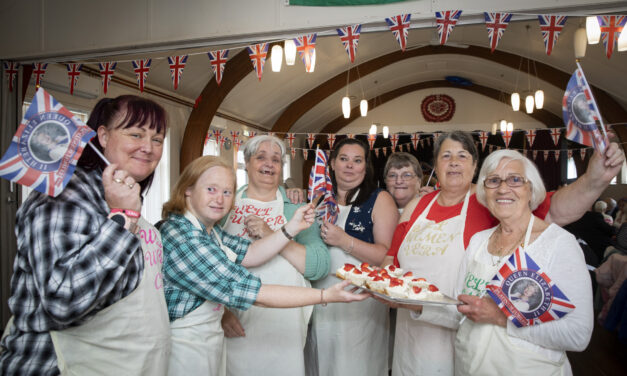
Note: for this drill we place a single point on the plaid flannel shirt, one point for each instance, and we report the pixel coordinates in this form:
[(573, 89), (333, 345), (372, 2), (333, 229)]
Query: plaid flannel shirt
[(72, 261), (195, 269)]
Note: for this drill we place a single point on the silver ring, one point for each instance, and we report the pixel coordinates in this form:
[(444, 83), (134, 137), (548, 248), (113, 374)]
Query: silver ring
[(117, 180)]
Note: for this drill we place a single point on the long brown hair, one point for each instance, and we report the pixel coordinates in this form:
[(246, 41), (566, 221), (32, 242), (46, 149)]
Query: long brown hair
[(177, 203)]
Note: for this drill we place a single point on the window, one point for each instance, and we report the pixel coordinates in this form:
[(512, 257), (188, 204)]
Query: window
[(241, 175), (572, 169), (211, 147)]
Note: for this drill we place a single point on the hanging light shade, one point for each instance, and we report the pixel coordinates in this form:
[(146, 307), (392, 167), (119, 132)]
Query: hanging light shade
[(580, 42), (539, 99), (593, 30), (495, 127), (515, 101), (386, 131), (290, 52), (346, 107), (363, 107), (311, 67), (277, 58), (622, 40), (503, 125), (510, 127), (373, 129), (529, 103)]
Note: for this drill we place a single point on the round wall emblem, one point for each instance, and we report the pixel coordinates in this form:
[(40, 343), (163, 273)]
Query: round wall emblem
[(438, 108)]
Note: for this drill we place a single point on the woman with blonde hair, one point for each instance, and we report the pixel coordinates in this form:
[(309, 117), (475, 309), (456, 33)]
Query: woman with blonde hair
[(205, 267)]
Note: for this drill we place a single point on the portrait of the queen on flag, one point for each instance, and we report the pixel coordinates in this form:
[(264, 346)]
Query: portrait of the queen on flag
[(44, 150), (526, 294)]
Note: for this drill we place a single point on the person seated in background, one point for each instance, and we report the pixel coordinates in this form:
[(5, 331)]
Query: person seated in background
[(611, 206), (621, 212), (601, 207), (403, 178)]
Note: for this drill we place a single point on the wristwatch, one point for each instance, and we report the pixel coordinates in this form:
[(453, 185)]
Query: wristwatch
[(122, 220)]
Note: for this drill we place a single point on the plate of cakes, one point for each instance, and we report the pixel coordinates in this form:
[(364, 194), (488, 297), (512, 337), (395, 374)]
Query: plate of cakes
[(394, 284)]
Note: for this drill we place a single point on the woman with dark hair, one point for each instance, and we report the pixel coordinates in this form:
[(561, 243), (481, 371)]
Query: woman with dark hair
[(86, 292), (354, 340)]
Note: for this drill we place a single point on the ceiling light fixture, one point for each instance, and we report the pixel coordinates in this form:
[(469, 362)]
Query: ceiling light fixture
[(277, 58), (593, 30), (346, 102), (290, 51)]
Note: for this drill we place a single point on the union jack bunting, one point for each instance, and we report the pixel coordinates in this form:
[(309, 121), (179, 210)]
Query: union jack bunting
[(305, 151), (350, 135), (251, 134), (496, 23), (235, 135), (446, 21), (483, 136), (400, 28), (581, 114), (207, 138), (306, 47), (258, 54), (526, 294), (217, 59), (320, 184), (238, 143), (557, 154), (222, 140), (611, 27), (10, 71), (39, 69), (73, 71), (217, 134), (44, 150), (545, 154), (311, 138), (582, 153), (555, 133), (376, 152), (349, 36), (106, 72), (436, 135), (141, 68), (394, 140), (551, 26), (331, 139), (570, 153), (531, 136), (290, 139), (385, 151), (371, 140), (415, 137), (535, 154), (177, 64), (293, 152), (507, 137)]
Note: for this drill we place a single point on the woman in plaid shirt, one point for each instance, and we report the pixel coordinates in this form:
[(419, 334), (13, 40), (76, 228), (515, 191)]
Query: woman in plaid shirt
[(205, 267), (86, 291)]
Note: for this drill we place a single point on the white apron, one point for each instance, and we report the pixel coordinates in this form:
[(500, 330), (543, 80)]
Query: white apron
[(352, 339), (433, 251), (198, 338), (130, 337), (280, 333), (485, 349)]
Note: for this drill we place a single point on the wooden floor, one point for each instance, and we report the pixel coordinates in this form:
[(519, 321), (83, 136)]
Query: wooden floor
[(605, 355)]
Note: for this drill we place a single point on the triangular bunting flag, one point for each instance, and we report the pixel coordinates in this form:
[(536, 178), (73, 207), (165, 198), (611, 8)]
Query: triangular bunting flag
[(557, 154), (415, 137), (371, 139), (545, 153), (611, 27), (570, 153), (446, 21), (535, 154), (311, 138), (394, 140), (73, 71), (555, 133), (141, 68), (376, 152), (531, 136), (331, 139), (582, 153), (400, 28), (258, 54), (496, 23), (217, 59), (290, 139), (551, 26), (328, 153), (483, 137), (177, 64), (251, 134), (350, 135), (349, 36), (385, 152), (106, 72), (507, 136), (306, 47), (222, 141), (490, 148), (39, 69), (238, 143), (293, 152), (217, 134), (305, 152), (10, 71)]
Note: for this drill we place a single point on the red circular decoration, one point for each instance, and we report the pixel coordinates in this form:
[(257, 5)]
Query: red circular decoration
[(438, 108)]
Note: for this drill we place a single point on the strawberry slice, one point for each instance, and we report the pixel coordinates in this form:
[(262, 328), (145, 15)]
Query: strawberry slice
[(419, 280), (377, 279), (364, 265), (416, 289), (373, 274), (408, 274), (432, 288), (396, 282), (356, 271), (349, 267), (366, 270)]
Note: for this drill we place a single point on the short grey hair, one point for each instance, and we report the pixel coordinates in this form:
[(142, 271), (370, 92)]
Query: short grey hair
[(252, 146), (538, 192), (402, 159), (464, 138)]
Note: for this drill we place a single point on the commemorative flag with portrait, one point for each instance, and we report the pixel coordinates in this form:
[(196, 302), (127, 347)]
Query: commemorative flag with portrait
[(580, 113), (320, 185), (525, 293), (44, 150)]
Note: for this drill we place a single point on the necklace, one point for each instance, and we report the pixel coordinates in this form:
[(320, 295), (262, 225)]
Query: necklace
[(502, 253)]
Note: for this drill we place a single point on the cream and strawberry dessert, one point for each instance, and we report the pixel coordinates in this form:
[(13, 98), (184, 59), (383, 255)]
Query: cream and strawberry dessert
[(397, 288), (419, 282), (393, 271), (341, 272), (357, 277)]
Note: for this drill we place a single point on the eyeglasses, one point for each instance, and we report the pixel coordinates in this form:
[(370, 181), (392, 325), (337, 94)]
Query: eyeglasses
[(404, 177), (512, 181)]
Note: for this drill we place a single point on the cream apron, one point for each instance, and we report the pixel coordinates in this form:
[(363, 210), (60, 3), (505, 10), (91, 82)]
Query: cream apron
[(352, 339), (485, 349), (433, 251), (197, 338), (130, 337), (275, 337)]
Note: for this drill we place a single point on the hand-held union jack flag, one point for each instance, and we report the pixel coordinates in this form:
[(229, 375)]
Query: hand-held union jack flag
[(611, 28), (306, 47), (39, 69), (400, 28), (581, 114), (320, 185), (73, 71), (349, 36), (106, 72), (551, 26), (217, 59), (526, 294), (445, 22), (496, 23), (258, 54), (141, 68), (44, 150), (177, 64)]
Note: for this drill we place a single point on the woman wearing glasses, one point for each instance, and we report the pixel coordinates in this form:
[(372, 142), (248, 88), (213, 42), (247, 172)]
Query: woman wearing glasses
[(435, 230), (403, 177)]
